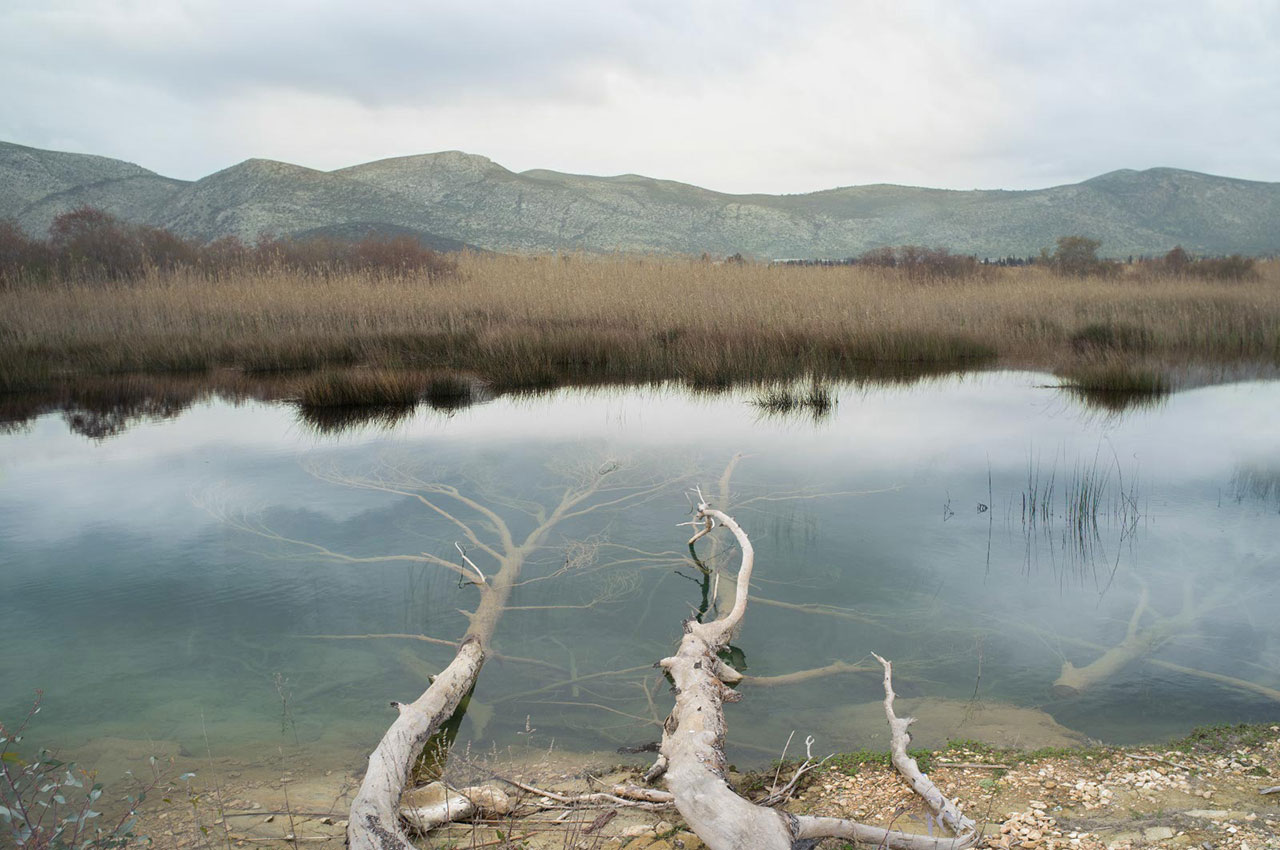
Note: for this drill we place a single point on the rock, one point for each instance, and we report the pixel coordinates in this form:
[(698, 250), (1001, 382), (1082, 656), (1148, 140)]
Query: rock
[(1157, 833), (643, 841)]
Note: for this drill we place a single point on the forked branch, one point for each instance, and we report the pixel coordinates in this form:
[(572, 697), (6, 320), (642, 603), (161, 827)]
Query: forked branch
[(692, 759)]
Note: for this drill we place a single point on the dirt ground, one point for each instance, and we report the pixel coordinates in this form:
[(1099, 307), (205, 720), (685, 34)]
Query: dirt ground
[(1203, 792)]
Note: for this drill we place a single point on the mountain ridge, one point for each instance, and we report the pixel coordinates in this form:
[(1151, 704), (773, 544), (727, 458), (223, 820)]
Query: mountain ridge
[(457, 198)]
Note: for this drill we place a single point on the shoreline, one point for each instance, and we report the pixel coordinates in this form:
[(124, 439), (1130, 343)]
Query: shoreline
[(103, 405), (1203, 788)]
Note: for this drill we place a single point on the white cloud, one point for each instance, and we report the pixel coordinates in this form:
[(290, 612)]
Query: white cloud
[(741, 97)]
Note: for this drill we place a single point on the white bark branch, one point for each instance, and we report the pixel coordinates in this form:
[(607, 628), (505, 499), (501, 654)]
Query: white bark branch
[(692, 759), (374, 823)]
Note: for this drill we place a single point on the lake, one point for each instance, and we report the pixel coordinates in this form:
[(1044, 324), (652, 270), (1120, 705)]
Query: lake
[(215, 579)]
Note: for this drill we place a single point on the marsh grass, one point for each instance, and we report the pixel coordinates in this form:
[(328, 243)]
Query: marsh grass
[(1259, 481), (1112, 384), (334, 401), (1068, 507), (817, 400), (361, 387), (529, 323)]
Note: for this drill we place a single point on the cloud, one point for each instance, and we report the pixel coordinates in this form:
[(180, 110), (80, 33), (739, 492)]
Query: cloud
[(756, 96)]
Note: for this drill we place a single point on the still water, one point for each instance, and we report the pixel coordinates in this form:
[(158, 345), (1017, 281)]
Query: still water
[(212, 579)]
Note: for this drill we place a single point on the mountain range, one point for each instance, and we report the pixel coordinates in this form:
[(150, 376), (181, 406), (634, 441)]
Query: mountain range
[(452, 200)]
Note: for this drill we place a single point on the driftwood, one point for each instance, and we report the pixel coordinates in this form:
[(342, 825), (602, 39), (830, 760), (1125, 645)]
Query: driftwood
[(1139, 641), (435, 804), (692, 760), (692, 750), (375, 819)]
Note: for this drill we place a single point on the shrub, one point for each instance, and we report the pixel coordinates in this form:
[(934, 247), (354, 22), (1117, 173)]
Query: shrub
[(47, 804), (90, 243), (20, 255), (1234, 267), (884, 257), (1177, 260), (165, 250), (94, 243), (921, 263)]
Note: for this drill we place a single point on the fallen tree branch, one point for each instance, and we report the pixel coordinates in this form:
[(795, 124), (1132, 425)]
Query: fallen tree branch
[(375, 819), (1138, 643), (833, 669), (649, 799), (693, 763), (433, 805)]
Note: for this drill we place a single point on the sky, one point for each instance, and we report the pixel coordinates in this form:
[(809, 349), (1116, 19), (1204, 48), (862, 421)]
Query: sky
[(744, 96)]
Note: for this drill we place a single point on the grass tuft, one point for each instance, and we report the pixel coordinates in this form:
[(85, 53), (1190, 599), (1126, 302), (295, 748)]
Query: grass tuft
[(818, 401), (1117, 386), (358, 388), (1226, 738)]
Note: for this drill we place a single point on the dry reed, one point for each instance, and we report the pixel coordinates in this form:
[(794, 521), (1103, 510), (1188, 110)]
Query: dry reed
[(527, 322)]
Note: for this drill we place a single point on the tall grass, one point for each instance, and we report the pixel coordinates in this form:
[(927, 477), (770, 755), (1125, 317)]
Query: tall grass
[(528, 322)]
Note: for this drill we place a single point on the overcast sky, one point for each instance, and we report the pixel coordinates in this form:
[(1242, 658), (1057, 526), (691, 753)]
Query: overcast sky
[(786, 96)]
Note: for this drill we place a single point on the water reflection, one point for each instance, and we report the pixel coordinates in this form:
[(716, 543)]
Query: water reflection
[(1119, 401), (344, 401), (286, 605), (1257, 481)]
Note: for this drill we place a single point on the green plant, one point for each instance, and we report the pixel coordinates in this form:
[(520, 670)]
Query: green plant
[(48, 804), (1076, 256), (849, 763), (1226, 737)]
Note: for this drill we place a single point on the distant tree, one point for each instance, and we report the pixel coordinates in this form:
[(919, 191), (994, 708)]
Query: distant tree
[(166, 250), (1177, 260), (225, 253), (884, 256), (921, 263), (20, 255), (1075, 255), (1234, 267), (93, 242)]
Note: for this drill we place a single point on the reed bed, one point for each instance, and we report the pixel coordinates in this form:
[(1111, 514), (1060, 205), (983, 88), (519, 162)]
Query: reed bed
[(530, 322)]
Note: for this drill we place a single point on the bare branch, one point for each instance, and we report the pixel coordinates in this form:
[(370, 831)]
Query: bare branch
[(693, 762)]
